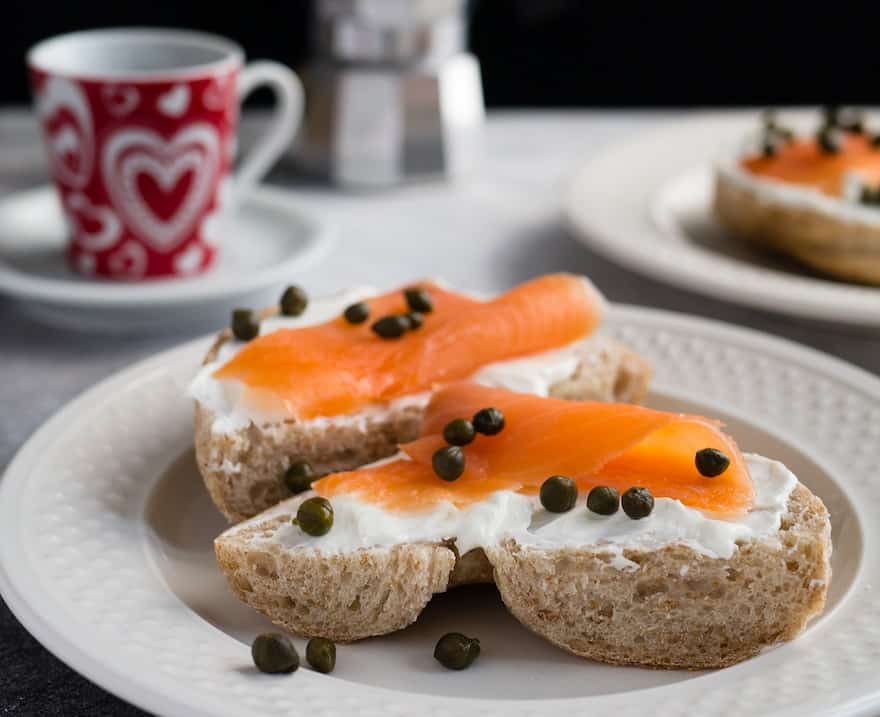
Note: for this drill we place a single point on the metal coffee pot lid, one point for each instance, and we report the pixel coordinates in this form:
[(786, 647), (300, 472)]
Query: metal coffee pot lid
[(395, 31)]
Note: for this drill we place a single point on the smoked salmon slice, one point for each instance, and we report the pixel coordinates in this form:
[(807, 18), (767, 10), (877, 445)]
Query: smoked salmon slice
[(593, 443), (802, 161), (337, 367)]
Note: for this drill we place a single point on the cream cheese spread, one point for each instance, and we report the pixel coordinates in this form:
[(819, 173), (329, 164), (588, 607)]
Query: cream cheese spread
[(506, 514), (224, 399)]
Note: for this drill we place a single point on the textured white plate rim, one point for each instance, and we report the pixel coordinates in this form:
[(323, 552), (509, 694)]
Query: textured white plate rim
[(317, 241), (691, 267), (153, 691)]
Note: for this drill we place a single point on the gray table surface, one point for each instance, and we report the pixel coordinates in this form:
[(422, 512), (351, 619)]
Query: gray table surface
[(486, 232)]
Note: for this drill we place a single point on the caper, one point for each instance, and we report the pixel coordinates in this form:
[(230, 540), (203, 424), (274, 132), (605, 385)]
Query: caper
[(775, 133), (558, 494), (299, 476), (875, 140), (711, 462), (854, 124), (294, 301), (357, 313), (869, 196), (637, 503), (321, 654), (448, 462), (245, 324), (456, 651), (768, 148), (315, 516), (603, 500), (418, 300), (273, 652), (831, 113), (416, 319), (848, 119), (391, 327), (488, 421), (829, 139), (458, 432)]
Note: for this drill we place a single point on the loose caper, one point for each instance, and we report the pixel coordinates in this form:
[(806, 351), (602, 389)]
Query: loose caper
[(273, 652), (321, 654), (418, 300), (488, 421), (829, 139), (603, 500), (245, 324), (711, 462), (458, 432), (637, 503), (456, 651), (294, 301), (299, 476), (768, 148), (558, 494), (391, 327), (416, 319), (448, 462), (315, 516), (357, 313)]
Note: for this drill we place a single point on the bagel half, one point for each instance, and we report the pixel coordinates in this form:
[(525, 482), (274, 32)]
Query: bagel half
[(671, 608), (816, 233), (242, 469)]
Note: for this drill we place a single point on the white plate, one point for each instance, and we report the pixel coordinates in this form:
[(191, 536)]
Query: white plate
[(645, 203), (263, 244), (105, 556)]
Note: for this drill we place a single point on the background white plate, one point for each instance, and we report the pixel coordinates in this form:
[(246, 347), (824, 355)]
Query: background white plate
[(263, 244), (645, 204), (105, 556)]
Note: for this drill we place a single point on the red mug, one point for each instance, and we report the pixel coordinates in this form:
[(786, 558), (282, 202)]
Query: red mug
[(140, 128)]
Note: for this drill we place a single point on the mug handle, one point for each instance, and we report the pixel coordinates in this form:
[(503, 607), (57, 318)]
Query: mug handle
[(288, 114)]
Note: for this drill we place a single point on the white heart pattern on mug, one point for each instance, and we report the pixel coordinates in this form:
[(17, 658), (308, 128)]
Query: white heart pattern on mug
[(190, 260), (110, 228), (129, 260), (120, 99), (132, 153), (86, 263), (214, 95), (175, 102), (67, 122)]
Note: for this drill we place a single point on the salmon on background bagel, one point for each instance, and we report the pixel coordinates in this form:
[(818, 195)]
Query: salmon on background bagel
[(814, 198)]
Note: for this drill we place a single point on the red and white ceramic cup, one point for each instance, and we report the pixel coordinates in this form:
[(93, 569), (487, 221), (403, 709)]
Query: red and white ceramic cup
[(140, 127)]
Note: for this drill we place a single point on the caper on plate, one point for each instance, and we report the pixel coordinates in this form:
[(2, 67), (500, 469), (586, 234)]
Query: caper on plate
[(321, 654), (456, 651), (274, 653)]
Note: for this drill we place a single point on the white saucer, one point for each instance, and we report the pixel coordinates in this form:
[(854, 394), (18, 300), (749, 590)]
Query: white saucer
[(264, 244), (106, 557), (645, 203)]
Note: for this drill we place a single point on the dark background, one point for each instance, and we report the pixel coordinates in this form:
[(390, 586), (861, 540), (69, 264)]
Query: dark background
[(549, 52)]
